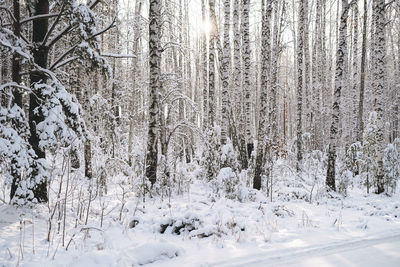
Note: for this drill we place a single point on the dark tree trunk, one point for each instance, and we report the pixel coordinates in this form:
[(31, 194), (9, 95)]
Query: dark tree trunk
[(40, 54), (88, 160), (4, 77), (17, 96), (88, 143)]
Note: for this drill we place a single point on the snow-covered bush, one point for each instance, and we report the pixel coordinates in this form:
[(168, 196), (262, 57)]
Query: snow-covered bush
[(211, 159), (307, 141), (314, 171), (229, 157), (313, 165), (391, 164), (370, 146), (345, 180), (348, 167), (183, 176), (353, 157), (227, 181)]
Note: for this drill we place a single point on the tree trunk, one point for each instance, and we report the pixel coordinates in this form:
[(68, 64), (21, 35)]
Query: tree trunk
[(354, 111), (4, 77), (266, 10), (211, 66), (360, 120), (138, 8), (339, 83), (274, 74), (379, 88), (307, 63), (204, 67), (40, 54), (225, 72), (88, 143), (245, 29), (300, 66), (316, 81), (17, 96), (154, 87), (238, 123)]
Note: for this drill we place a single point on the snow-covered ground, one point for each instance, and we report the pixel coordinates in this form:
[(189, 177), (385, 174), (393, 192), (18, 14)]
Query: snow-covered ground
[(192, 230)]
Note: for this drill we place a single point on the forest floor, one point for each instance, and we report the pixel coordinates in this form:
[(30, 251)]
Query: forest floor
[(193, 229)]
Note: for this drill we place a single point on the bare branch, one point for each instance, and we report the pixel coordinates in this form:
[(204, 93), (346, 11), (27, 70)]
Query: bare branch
[(72, 48), (68, 28), (60, 35), (118, 55), (63, 63), (31, 18), (93, 4), (389, 3), (53, 26), (57, 62), (14, 84)]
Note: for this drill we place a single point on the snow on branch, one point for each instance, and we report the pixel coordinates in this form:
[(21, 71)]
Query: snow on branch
[(13, 44), (118, 55)]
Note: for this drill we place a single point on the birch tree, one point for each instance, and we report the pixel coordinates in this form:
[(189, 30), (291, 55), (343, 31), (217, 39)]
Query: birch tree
[(379, 88), (245, 29), (204, 58), (355, 75), (360, 118), (266, 9), (317, 54), (307, 63), (275, 54), (225, 72), (237, 125), (154, 88), (135, 66), (211, 66), (339, 84), (300, 68)]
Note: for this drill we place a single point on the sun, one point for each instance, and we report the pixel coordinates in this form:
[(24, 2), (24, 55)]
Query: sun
[(206, 27)]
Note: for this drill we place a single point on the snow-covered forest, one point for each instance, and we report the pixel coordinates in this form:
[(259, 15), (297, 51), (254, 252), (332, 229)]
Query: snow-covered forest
[(199, 132)]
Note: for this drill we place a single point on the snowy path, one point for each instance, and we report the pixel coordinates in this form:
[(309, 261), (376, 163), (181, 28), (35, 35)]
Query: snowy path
[(381, 249)]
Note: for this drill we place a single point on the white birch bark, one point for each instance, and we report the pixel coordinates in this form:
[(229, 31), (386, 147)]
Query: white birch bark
[(211, 66), (360, 119), (204, 67), (307, 64), (245, 29), (315, 113), (266, 10), (274, 74), (300, 70), (339, 83), (354, 90), (225, 72), (379, 88), (154, 88)]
